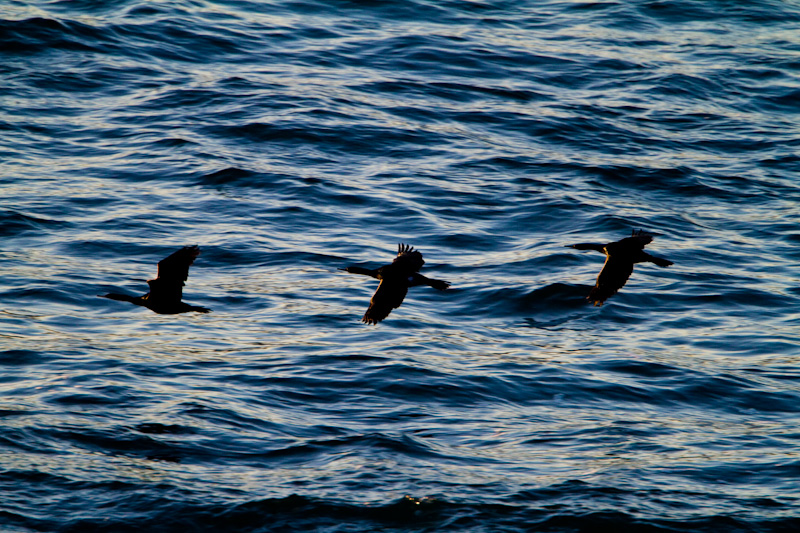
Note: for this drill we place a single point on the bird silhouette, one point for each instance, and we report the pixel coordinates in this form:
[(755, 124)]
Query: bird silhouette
[(620, 258), (166, 291), (396, 278)]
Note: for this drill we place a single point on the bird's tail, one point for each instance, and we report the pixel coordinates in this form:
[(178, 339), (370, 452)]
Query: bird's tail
[(439, 284), (661, 261)]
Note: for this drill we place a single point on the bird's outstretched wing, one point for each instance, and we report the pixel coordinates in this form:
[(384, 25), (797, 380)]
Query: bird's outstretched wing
[(615, 273), (408, 258), (176, 266), (173, 270), (638, 239), (390, 295)]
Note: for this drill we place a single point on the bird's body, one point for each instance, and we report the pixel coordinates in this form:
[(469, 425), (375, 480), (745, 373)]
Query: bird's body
[(166, 290), (395, 279), (620, 258)]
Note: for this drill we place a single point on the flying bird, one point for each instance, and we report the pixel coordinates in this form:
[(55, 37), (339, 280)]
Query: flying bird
[(396, 278), (166, 291), (620, 258)]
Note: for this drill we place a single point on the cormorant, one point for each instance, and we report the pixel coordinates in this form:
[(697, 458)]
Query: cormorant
[(166, 290), (620, 258), (396, 278)]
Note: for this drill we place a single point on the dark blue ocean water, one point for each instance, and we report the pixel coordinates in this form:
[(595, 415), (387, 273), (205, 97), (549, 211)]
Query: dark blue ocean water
[(291, 138)]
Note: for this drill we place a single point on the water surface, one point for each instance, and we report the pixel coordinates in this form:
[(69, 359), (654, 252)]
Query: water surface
[(289, 139)]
